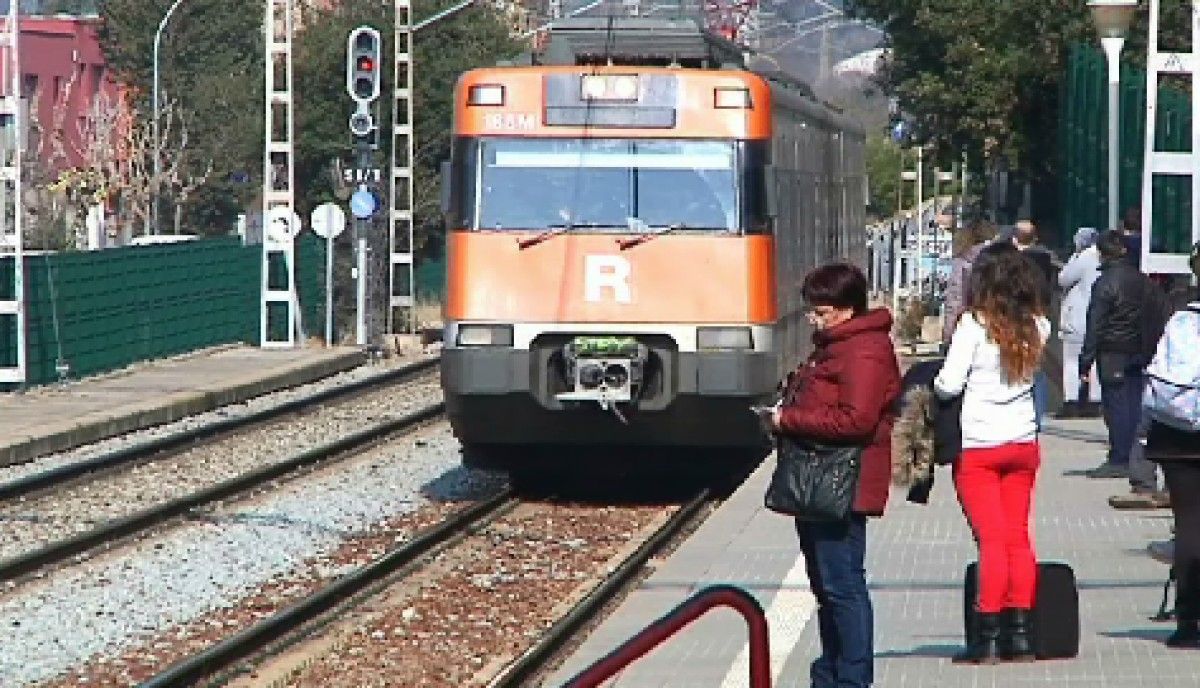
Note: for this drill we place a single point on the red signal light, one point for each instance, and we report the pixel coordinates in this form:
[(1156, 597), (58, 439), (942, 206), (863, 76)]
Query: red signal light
[(366, 64)]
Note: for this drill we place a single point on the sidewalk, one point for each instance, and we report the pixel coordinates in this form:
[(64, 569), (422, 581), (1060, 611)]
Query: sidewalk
[(52, 418), (916, 557)]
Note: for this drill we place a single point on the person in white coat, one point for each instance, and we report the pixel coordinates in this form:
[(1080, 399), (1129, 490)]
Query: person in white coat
[(1076, 278)]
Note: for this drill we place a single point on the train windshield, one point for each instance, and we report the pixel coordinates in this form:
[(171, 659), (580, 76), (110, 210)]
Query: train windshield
[(614, 185)]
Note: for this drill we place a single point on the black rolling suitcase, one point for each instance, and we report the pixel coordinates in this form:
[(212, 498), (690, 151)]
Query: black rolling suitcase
[(1055, 622)]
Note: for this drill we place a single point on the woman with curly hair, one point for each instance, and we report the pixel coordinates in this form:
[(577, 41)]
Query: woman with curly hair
[(993, 357)]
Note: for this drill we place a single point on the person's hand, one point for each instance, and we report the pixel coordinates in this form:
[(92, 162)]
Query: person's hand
[(776, 416)]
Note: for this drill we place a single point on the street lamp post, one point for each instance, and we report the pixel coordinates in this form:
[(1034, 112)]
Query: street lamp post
[(155, 111), (1112, 19), (920, 221)]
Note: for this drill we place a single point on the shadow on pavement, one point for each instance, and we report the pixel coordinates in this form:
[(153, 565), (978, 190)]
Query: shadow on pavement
[(1155, 635), (935, 651)]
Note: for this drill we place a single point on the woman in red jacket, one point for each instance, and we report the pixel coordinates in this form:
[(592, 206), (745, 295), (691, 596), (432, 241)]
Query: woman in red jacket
[(844, 393)]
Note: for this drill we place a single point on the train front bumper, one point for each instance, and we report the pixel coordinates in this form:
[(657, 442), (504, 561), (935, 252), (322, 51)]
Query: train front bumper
[(502, 395)]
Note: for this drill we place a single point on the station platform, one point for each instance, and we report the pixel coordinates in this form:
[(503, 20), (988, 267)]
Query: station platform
[(55, 418), (916, 558)]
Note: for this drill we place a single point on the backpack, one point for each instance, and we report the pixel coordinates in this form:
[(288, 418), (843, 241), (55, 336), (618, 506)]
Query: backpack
[(1172, 395)]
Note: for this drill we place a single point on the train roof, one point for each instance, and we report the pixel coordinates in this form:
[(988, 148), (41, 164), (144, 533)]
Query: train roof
[(682, 42), (649, 41), (638, 40)]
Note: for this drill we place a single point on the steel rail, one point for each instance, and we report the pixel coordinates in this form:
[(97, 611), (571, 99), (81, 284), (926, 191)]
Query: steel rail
[(252, 639), (59, 551), (557, 636), (207, 433)]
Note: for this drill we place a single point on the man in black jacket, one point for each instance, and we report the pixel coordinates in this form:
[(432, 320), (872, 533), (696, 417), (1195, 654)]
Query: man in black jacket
[(1125, 309)]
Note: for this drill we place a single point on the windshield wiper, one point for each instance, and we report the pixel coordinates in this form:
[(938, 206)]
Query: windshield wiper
[(647, 236), (536, 239)]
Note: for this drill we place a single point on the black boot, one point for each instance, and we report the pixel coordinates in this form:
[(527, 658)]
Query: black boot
[(1187, 634), (1015, 645), (986, 650)]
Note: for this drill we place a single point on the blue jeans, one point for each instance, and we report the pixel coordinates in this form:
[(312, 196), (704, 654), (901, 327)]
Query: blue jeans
[(833, 557), (1041, 396), (1121, 396), (1143, 473)]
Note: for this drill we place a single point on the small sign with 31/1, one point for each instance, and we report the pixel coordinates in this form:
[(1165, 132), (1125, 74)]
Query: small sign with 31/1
[(362, 175)]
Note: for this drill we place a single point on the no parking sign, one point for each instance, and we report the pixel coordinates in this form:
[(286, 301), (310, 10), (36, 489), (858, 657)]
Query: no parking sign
[(328, 221)]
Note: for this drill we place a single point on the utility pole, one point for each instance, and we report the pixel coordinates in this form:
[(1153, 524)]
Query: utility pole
[(402, 287), (12, 309), (920, 221), (280, 222)]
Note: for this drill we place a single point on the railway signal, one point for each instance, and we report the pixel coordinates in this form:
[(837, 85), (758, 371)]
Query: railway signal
[(363, 56), (364, 59)]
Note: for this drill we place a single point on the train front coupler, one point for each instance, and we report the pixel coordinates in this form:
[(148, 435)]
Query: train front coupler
[(605, 370)]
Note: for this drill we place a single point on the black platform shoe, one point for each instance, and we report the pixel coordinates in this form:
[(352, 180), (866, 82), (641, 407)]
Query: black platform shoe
[(986, 650), (1187, 634), (1015, 645)]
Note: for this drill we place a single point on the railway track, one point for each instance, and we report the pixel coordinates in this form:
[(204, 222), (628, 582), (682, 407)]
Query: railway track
[(539, 656), (288, 620), (403, 563), (251, 450)]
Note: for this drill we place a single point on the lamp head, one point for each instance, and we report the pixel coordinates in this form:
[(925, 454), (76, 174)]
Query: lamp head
[(1112, 17)]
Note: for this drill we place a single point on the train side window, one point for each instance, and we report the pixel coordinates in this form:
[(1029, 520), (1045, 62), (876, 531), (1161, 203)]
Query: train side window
[(756, 186)]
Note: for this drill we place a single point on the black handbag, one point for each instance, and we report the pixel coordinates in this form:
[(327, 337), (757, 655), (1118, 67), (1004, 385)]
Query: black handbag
[(814, 482)]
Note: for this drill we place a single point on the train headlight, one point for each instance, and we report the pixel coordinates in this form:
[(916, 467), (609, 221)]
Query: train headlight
[(619, 87), (485, 335), (616, 376), (590, 376), (723, 338), (732, 99), (486, 94)]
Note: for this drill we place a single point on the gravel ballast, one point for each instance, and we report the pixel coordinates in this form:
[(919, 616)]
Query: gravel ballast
[(29, 523), (266, 401), (122, 598), (475, 608)]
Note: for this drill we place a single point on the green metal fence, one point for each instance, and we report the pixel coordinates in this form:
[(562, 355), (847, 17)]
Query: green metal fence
[(101, 310), (431, 279), (1084, 135)]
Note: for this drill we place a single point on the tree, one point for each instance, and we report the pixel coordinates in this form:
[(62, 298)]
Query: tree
[(476, 37), (883, 175), (883, 161), (985, 76), (211, 67)]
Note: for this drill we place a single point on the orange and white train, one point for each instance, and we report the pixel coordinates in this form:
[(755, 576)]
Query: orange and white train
[(629, 219)]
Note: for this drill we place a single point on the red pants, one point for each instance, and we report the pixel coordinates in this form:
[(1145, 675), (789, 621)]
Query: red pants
[(995, 487)]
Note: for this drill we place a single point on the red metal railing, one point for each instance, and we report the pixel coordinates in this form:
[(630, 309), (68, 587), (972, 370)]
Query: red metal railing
[(670, 624)]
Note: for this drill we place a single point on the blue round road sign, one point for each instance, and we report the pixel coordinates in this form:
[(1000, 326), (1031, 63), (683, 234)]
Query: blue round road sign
[(363, 204)]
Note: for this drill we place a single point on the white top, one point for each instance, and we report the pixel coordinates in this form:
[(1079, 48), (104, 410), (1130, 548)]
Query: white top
[(1077, 277), (994, 412)]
